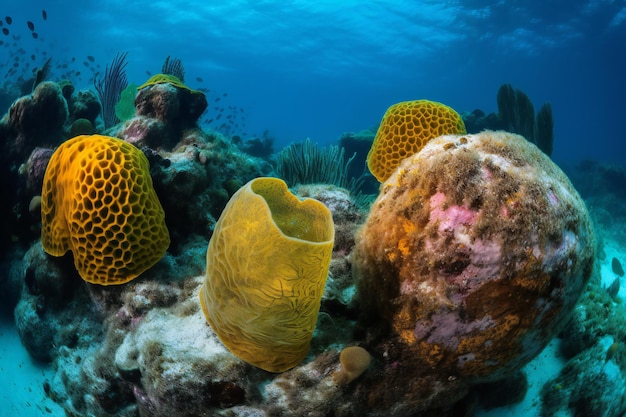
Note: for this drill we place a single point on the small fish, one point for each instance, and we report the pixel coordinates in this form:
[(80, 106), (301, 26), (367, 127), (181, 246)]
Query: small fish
[(35, 35), (5, 31), (616, 266), (218, 116), (218, 99), (1, 42), (611, 351), (44, 15), (77, 73), (199, 79), (31, 25), (8, 19), (32, 57), (210, 121), (225, 94), (613, 289), (90, 58), (1, 23)]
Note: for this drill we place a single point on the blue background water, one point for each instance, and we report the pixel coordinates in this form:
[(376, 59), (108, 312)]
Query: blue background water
[(320, 68)]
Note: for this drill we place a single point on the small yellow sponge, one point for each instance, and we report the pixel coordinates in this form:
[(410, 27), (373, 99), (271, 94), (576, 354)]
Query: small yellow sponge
[(267, 264), (405, 129), (98, 202), (169, 79)]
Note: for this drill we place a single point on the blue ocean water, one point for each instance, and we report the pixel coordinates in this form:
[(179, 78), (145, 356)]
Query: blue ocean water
[(318, 69)]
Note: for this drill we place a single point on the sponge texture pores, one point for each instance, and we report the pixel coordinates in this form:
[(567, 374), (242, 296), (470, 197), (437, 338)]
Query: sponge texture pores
[(98, 201), (405, 129)]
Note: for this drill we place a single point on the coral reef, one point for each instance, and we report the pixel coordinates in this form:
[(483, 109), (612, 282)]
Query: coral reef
[(476, 250), (98, 202), (267, 264), (405, 129), (195, 180), (591, 384), (408, 347), (603, 186), (45, 315), (37, 119), (165, 110), (144, 348)]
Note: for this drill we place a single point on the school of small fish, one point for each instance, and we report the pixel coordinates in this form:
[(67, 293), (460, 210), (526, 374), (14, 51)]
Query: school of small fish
[(22, 63)]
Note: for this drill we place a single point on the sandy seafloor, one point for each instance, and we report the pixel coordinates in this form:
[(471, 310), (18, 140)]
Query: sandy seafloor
[(22, 379)]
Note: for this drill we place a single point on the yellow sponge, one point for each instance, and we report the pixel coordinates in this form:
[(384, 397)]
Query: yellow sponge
[(98, 202), (267, 264), (167, 78), (405, 129)]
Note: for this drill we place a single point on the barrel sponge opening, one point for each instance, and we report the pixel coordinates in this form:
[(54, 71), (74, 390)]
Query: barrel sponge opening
[(98, 201), (267, 264)]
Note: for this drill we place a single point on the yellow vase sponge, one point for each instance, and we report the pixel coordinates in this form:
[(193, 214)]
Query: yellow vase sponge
[(267, 264)]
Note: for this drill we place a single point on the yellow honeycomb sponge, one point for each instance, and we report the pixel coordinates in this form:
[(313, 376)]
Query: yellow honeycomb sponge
[(267, 264), (405, 129), (98, 201)]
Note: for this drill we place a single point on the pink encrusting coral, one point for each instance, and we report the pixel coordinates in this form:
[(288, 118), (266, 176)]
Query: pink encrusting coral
[(474, 253)]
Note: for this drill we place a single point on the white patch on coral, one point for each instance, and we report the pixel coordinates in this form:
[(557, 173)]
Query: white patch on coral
[(185, 340)]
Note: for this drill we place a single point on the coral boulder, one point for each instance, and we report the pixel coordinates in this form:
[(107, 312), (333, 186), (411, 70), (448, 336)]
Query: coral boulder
[(474, 253)]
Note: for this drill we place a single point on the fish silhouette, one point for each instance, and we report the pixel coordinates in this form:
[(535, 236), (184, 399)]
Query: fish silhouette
[(616, 266)]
